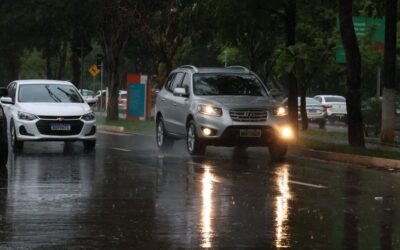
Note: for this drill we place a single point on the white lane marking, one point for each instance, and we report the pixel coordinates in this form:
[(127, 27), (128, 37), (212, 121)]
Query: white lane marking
[(124, 134), (307, 184), (122, 149), (112, 133)]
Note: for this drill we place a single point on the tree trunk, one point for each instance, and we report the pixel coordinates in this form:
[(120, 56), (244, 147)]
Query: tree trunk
[(11, 67), (49, 70), (389, 73), (353, 59), (113, 89), (76, 70), (62, 58), (291, 79)]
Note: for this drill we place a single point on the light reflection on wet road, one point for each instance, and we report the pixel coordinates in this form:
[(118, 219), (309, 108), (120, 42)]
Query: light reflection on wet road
[(127, 195)]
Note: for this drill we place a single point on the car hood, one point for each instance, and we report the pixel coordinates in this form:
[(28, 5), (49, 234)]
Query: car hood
[(55, 109), (239, 102)]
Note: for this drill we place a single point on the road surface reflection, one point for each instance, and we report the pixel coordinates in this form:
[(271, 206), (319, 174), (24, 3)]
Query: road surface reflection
[(282, 208), (207, 208)]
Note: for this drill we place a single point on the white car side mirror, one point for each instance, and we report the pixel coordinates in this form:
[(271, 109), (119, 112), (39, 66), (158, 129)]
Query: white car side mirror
[(7, 100)]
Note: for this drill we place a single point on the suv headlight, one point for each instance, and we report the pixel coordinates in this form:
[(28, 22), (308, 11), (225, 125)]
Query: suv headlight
[(280, 111), (209, 110), (26, 116), (89, 117)]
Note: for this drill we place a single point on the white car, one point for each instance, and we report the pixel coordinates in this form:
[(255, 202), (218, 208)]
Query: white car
[(122, 99), (335, 107), (47, 110)]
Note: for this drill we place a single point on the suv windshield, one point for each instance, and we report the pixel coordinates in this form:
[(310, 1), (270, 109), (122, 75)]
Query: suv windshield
[(48, 93), (227, 84)]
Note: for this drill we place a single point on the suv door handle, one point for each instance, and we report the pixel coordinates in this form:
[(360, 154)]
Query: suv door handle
[(163, 99), (174, 104)]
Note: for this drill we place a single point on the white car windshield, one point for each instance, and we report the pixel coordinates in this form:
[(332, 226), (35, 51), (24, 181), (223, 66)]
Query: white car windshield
[(48, 93), (228, 84)]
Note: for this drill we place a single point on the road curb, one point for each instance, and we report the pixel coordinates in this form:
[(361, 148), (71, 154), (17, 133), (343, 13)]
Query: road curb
[(350, 158), (110, 128)]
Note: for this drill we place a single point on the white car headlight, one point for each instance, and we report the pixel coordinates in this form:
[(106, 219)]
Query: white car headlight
[(26, 116), (209, 110), (89, 117)]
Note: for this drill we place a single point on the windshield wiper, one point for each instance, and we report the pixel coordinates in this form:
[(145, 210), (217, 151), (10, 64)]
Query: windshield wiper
[(70, 96), (52, 95)]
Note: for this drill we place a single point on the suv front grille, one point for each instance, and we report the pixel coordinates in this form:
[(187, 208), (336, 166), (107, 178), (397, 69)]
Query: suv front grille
[(250, 115)]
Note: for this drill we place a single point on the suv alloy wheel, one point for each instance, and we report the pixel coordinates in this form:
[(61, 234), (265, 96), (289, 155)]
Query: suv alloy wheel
[(163, 140), (194, 145)]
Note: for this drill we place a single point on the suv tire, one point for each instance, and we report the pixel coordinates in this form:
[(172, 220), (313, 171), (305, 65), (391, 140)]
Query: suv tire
[(16, 145), (278, 150), (164, 142), (194, 144)]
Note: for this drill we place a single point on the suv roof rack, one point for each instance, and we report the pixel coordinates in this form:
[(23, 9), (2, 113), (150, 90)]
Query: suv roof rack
[(239, 67), (190, 67)]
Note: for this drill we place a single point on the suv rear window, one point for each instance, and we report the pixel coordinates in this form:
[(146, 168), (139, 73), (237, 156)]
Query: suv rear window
[(335, 99), (227, 84)]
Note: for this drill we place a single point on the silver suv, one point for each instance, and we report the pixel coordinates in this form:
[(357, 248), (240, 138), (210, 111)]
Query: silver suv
[(220, 107)]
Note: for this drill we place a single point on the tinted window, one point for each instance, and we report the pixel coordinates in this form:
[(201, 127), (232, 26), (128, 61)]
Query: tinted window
[(312, 101), (12, 91), (177, 81), (186, 82), (48, 93), (334, 99), (224, 84), (169, 82)]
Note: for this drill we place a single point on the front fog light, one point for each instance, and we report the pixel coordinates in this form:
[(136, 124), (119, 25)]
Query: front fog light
[(286, 133), (207, 131)]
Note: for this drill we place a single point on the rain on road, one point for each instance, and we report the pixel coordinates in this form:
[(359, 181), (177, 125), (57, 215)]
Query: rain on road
[(127, 195)]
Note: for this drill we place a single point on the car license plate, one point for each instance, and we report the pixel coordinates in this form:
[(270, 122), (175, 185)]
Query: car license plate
[(60, 127), (250, 133)]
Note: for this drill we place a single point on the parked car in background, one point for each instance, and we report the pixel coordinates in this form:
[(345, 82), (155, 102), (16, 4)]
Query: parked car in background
[(335, 107), (220, 107), (122, 99), (47, 110), (87, 94), (315, 111)]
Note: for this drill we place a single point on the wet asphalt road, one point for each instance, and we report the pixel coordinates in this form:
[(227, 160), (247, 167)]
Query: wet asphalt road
[(126, 195)]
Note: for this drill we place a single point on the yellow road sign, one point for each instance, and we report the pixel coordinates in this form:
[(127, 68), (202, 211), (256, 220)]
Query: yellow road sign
[(94, 71)]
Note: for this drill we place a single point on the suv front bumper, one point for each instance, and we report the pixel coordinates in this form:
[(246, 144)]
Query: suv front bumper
[(225, 132)]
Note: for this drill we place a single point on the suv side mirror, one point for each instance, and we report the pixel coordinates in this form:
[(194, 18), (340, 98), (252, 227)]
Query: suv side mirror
[(180, 92), (6, 100)]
